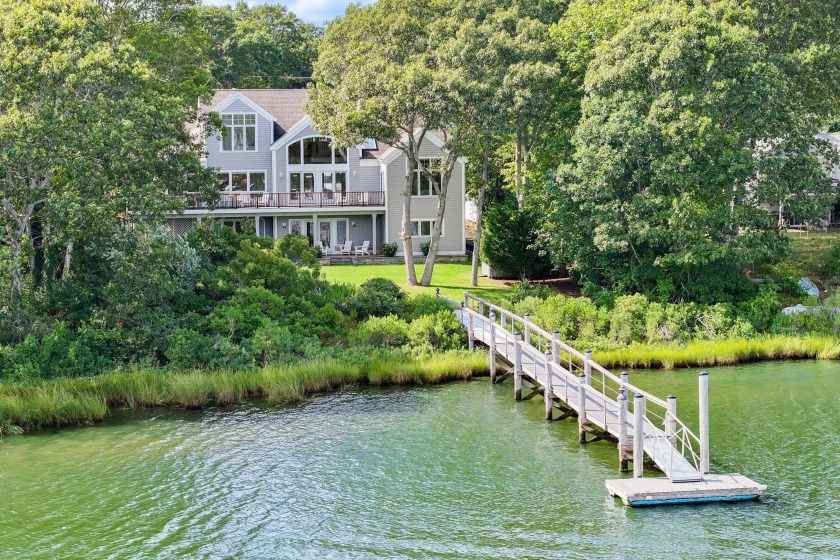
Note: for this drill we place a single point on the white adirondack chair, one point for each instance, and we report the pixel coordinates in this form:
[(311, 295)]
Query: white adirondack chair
[(346, 249), (363, 249)]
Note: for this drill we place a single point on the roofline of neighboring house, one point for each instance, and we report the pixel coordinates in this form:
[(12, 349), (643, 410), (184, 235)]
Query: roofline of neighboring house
[(239, 96)]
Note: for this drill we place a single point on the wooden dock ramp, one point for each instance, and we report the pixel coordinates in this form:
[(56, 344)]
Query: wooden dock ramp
[(607, 406)]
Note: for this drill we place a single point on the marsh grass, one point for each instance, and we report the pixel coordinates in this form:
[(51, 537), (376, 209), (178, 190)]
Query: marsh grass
[(720, 352), (85, 400)]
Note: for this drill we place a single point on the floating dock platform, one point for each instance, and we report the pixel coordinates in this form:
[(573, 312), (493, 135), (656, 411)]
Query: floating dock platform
[(660, 491)]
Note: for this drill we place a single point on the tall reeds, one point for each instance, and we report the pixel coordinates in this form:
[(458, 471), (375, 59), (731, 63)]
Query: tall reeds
[(85, 400)]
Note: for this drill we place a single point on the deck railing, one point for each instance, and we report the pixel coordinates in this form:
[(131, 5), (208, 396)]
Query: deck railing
[(567, 362), (255, 200)]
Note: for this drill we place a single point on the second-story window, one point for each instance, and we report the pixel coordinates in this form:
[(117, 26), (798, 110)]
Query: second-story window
[(428, 180), (315, 151), (239, 133)]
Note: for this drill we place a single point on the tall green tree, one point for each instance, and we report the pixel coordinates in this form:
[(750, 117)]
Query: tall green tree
[(263, 46), (90, 139), (375, 78), (688, 128)]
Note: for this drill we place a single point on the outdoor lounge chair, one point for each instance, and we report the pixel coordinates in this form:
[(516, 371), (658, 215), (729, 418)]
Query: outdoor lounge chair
[(362, 249), (346, 249)]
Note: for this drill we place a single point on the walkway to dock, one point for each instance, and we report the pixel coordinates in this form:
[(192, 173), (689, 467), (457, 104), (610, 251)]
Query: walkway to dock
[(607, 406)]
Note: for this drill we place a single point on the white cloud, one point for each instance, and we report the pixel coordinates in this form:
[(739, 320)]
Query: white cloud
[(311, 11)]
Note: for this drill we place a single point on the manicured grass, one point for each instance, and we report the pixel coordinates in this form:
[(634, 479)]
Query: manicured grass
[(706, 353), (85, 400), (453, 279), (810, 251)]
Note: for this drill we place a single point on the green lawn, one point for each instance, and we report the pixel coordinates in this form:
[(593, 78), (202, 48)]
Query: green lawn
[(810, 251), (453, 279)]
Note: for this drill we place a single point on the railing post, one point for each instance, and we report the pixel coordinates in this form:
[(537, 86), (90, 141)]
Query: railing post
[(517, 366), (587, 366), (671, 420), (623, 448), (704, 423), (639, 436), (555, 345), (527, 328), (492, 344), (470, 331), (582, 408)]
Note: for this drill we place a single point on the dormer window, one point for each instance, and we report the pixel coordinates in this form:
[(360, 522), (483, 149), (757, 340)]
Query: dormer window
[(239, 133), (315, 151)]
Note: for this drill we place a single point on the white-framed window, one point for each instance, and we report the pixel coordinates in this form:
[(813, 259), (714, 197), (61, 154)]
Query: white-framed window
[(423, 228), (239, 132), (241, 181), (315, 150), (428, 179)]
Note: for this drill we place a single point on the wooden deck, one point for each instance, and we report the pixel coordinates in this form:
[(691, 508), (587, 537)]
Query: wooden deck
[(607, 406)]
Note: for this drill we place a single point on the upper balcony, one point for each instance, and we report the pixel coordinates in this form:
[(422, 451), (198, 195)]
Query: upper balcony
[(257, 200)]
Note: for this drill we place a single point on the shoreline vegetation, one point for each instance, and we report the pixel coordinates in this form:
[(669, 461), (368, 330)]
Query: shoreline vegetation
[(86, 400), (708, 353)]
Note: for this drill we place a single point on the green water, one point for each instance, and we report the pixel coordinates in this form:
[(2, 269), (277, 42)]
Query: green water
[(456, 471)]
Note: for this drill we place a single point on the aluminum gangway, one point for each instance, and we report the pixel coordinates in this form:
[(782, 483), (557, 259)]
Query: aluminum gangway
[(607, 406)]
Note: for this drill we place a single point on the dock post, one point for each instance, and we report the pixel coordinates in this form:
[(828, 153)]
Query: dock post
[(548, 392), (526, 328), (704, 423), (625, 378), (517, 366), (671, 420), (470, 330), (555, 345), (639, 436), (587, 366), (582, 408), (622, 430), (492, 344)]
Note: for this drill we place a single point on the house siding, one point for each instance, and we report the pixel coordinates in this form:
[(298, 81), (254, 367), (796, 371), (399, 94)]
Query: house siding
[(425, 207), (243, 161)]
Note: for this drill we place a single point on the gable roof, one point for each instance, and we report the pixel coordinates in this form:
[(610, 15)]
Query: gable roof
[(285, 105)]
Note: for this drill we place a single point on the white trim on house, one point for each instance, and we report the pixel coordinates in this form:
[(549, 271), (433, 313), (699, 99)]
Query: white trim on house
[(256, 126), (239, 96), (296, 129), (464, 209), (369, 162), (383, 176)]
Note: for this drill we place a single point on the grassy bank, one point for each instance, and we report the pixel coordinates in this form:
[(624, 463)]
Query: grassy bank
[(85, 400), (720, 353), (453, 279)]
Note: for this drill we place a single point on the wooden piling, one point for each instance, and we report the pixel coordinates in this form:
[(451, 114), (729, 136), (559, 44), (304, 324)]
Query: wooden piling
[(623, 446), (582, 408), (517, 367), (704, 423), (639, 436), (548, 394)]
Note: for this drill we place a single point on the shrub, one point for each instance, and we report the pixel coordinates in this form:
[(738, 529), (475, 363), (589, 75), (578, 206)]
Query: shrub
[(384, 331), (389, 249), (188, 349), (441, 331), (628, 319), (424, 248), (377, 297), (422, 304), (296, 248)]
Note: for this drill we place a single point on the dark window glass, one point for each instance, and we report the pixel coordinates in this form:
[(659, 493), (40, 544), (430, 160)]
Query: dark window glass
[(340, 182), (223, 181), (257, 181), (239, 181), (294, 182), (340, 156), (317, 150), (294, 153), (309, 182)]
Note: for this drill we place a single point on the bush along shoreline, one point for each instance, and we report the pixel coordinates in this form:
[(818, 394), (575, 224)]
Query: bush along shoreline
[(86, 400)]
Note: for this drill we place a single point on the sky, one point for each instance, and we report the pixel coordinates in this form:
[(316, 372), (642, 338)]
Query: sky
[(310, 11)]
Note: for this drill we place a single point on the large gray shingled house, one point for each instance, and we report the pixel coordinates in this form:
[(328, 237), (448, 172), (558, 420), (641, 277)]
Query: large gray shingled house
[(275, 168)]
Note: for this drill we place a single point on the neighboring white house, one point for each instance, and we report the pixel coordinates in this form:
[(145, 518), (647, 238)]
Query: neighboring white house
[(275, 168)]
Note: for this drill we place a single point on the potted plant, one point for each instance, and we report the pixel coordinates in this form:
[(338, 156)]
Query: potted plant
[(389, 249)]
